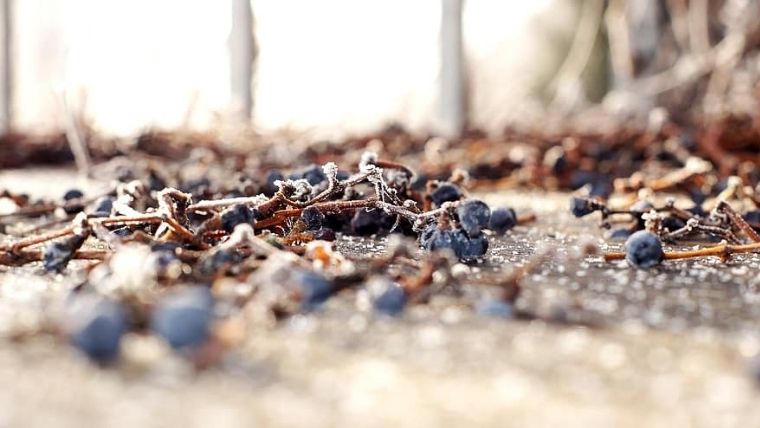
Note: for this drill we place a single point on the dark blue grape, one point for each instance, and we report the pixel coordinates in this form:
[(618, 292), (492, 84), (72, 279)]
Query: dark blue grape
[(601, 186), (473, 216), (721, 185), (466, 248), (495, 308), (102, 207), (502, 220), (438, 239), (272, 176), (445, 192), (218, 260), (315, 289), (391, 300), (162, 263), (638, 210), (620, 234), (427, 234), (469, 248), (324, 234), (96, 325), (581, 178), (697, 210), (370, 222), (235, 215), (155, 182), (197, 187), (122, 231), (697, 196), (641, 207), (643, 249), (314, 175), (581, 207), (165, 246), (556, 160), (73, 201), (419, 182), (752, 217), (312, 218), (73, 194), (57, 254), (672, 223), (183, 317)]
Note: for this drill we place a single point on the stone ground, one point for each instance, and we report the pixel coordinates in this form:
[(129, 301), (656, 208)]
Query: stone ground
[(667, 347)]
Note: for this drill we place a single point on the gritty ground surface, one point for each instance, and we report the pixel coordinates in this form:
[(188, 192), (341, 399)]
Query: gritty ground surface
[(667, 347)]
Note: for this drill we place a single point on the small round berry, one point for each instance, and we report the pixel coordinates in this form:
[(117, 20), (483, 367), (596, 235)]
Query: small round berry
[(312, 217), (581, 207), (580, 178), (235, 215), (218, 260), (470, 248), (102, 207), (183, 317), (502, 220), (95, 326), (438, 239), (314, 288), (473, 216), (427, 234), (122, 231), (73, 194), (197, 187), (445, 192), (672, 223), (367, 222), (752, 217), (641, 207), (57, 254), (155, 182), (697, 196), (601, 187), (73, 201), (697, 210), (388, 297), (164, 264), (643, 249), (495, 309), (464, 247), (324, 234), (314, 175), (272, 176), (619, 234)]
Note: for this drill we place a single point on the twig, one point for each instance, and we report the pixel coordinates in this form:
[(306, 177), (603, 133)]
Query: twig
[(738, 221), (724, 251), (28, 256)]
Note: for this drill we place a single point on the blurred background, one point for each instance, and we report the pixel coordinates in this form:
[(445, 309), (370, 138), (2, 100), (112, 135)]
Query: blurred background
[(347, 67), (329, 67)]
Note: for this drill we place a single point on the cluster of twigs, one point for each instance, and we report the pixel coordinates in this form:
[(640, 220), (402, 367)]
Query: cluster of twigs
[(710, 218), (176, 237)]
